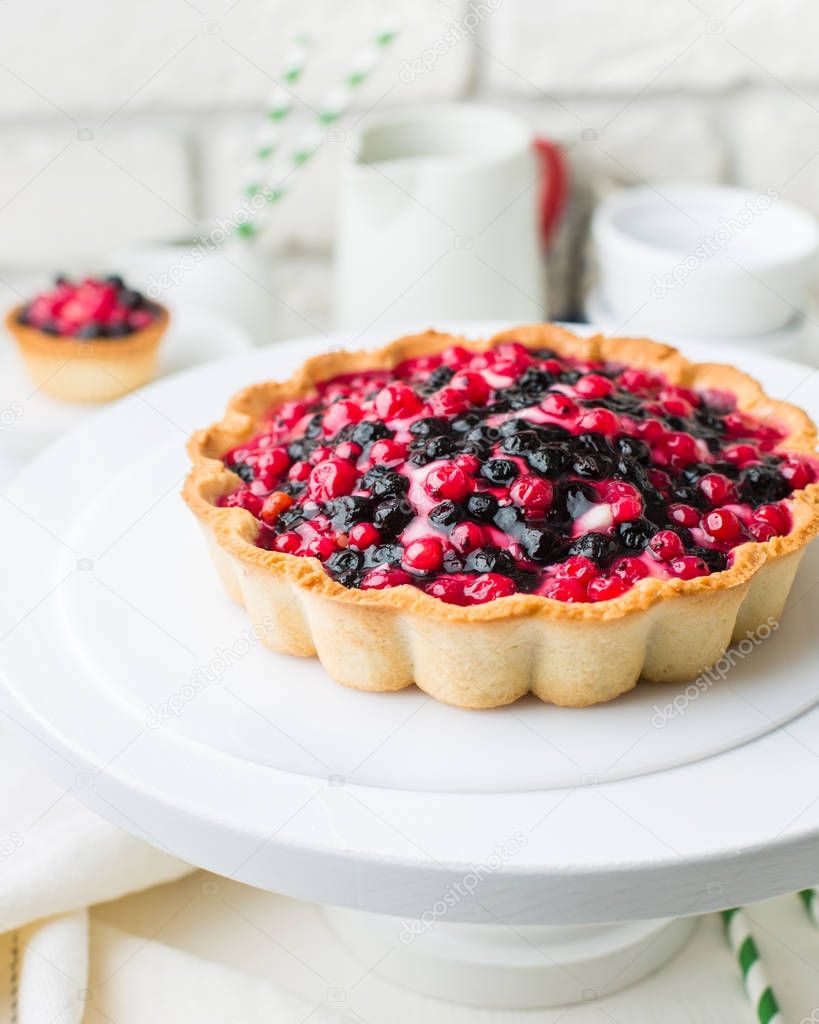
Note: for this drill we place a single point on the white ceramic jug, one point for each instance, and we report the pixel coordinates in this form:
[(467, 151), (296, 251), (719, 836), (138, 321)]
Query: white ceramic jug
[(438, 219)]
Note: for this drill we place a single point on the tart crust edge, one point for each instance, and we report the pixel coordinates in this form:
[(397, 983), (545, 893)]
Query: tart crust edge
[(491, 654)]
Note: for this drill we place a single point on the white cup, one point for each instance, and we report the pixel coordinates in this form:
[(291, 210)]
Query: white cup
[(704, 260), (233, 282), (437, 219)]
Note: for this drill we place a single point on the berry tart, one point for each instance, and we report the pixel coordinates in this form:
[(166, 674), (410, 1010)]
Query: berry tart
[(89, 341), (542, 513)]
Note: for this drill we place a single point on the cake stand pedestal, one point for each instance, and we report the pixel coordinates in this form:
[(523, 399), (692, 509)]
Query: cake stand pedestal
[(494, 965)]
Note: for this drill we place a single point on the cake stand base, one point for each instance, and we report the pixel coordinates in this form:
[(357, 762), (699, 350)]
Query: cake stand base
[(520, 967)]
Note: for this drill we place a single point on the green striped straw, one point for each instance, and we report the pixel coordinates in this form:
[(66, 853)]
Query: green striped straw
[(331, 109), (738, 932), (810, 898), (277, 108)]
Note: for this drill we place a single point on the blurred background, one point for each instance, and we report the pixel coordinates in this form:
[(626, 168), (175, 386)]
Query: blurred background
[(128, 128)]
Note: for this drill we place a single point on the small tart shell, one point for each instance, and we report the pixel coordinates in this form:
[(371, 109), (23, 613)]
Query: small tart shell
[(96, 370), (487, 655)]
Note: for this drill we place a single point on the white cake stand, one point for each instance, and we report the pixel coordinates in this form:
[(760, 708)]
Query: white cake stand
[(529, 855)]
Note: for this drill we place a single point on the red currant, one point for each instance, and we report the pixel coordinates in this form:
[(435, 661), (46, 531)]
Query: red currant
[(331, 479), (447, 481), (424, 555), (722, 524), (532, 493), (489, 586), (363, 535), (688, 567), (666, 545), (382, 577), (396, 402), (717, 489), (605, 588)]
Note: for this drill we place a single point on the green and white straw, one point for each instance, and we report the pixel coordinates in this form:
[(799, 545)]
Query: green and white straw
[(277, 108), (738, 932), (810, 899), (330, 110)]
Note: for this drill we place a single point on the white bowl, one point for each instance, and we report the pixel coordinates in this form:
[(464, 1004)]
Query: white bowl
[(704, 260)]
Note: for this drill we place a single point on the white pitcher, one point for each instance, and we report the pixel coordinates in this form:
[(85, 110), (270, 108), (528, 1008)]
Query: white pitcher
[(438, 219)]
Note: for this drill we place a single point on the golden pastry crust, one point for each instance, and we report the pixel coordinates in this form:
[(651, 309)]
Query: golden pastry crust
[(490, 654), (89, 371)]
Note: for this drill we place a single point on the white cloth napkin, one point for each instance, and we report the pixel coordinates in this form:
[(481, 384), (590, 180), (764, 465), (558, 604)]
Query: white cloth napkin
[(56, 859)]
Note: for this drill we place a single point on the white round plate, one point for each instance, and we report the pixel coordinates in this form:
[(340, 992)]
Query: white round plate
[(146, 689)]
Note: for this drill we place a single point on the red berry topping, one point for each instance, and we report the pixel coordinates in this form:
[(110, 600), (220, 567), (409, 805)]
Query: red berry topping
[(688, 567), (448, 481), (489, 586), (605, 588), (449, 589), (578, 567), (396, 402), (339, 415), (320, 454), (630, 569), (761, 532), (775, 516), (289, 542), (472, 474), (797, 473), (92, 308), (271, 466), (666, 545), (331, 479), (424, 555), (598, 421), (532, 493), (740, 454), (556, 404), (722, 524), (466, 537), (594, 386), (683, 515), (244, 498), (625, 501), (681, 449), (561, 589), (468, 463), (320, 547), (474, 384), (382, 577), (448, 402), (347, 450), (387, 452), (363, 535), (717, 489)]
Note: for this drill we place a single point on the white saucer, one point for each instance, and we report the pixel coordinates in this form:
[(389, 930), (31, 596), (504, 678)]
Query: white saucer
[(268, 771), (797, 340)]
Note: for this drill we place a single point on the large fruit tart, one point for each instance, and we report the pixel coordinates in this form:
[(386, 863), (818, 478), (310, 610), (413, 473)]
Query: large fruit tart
[(541, 512)]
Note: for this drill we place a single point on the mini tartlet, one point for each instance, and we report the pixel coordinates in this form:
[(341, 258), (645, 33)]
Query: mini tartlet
[(550, 528), (89, 342)]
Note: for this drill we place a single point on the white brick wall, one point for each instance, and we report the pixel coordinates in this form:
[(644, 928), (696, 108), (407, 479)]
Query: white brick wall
[(171, 92), (592, 46)]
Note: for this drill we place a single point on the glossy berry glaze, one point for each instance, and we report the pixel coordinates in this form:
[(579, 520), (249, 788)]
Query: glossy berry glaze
[(473, 476), (88, 309)]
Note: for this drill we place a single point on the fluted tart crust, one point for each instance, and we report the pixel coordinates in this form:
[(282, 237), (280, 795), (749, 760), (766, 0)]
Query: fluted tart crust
[(479, 655)]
